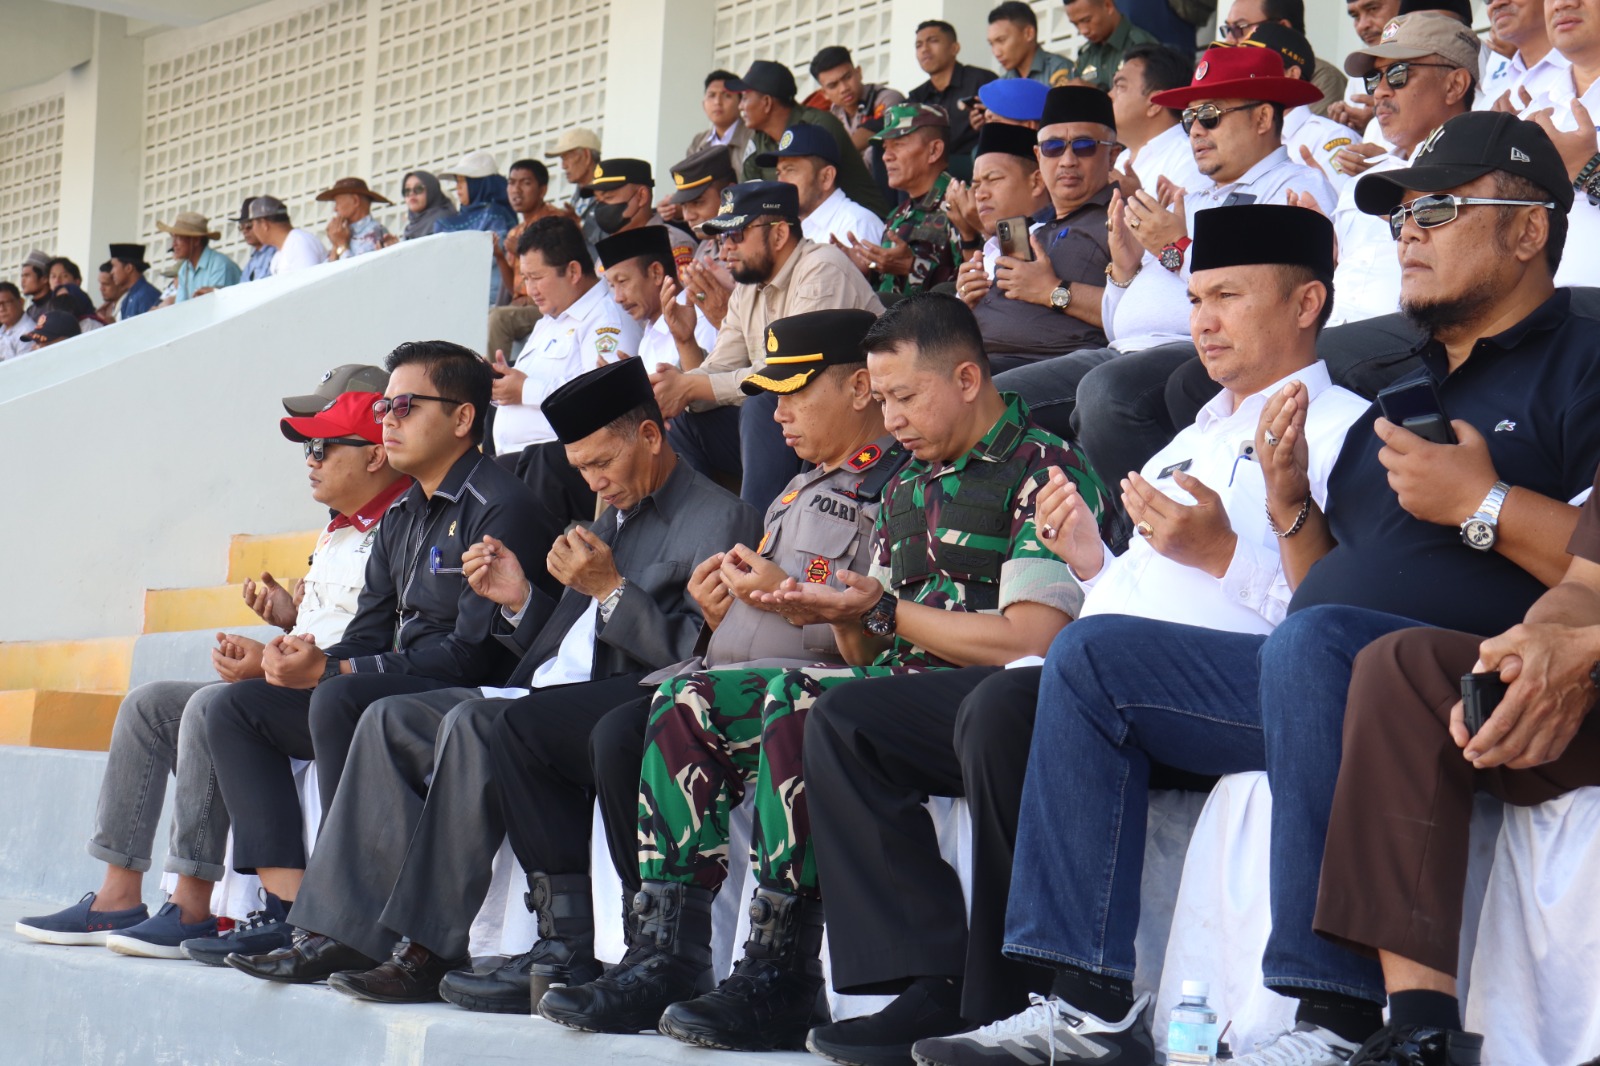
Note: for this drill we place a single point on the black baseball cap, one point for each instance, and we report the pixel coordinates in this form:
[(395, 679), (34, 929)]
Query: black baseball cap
[(1293, 47), (1464, 149), (800, 140), (801, 346), (742, 204), (765, 76), (54, 326), (691, 176), (615, 173)]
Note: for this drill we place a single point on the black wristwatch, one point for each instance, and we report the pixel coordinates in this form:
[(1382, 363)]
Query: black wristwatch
[(331, 670), (879, 621)]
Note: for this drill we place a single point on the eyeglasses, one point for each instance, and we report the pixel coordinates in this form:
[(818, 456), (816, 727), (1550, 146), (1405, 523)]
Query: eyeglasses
[(317, 447), (414, 190), (736, 237), (436, 563), (1210, 115), (1082, 147), (1235, 31), (1399, 74), (401, 405), (1431, 211)]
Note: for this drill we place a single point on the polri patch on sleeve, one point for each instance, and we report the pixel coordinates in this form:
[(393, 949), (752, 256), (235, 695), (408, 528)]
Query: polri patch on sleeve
[(817, 570), (865, 457)]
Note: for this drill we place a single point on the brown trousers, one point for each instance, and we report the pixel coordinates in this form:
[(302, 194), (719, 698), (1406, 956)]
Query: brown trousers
[(1395, 868)]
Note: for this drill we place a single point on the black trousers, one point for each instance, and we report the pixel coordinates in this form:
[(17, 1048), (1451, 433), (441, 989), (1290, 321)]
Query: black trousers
[(556, 751), (255, 728), (874, 751), (709, 442)]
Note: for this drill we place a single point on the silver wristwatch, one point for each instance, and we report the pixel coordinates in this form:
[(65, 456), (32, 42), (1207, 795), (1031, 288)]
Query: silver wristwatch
[(613, 598), (1482, 529)]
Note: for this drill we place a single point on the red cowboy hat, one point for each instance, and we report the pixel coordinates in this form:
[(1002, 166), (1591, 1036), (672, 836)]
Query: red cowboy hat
[(1240, 72)]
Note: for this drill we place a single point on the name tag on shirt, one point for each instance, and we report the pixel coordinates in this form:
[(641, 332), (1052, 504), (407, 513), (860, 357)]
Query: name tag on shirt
[(1175, 468), (1234, 199)]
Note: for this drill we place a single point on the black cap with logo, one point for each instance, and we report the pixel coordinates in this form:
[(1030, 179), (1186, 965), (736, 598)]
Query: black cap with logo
[(1464, 149), (802, 346), (765, 76), (615, 173), (742, 204)]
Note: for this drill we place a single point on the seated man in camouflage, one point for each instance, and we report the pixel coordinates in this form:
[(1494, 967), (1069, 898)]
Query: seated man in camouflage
[(929, 373)]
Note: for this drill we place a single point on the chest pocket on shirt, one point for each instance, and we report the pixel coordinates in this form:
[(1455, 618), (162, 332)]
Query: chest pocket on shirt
[(820, 536), (340, 565)]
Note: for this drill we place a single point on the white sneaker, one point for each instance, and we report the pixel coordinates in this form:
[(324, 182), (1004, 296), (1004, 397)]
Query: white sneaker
[(1048, 1031), (1304, 1045)]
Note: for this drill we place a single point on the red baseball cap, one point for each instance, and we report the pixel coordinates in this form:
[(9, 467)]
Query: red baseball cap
[(1240, 72), (347, 415)]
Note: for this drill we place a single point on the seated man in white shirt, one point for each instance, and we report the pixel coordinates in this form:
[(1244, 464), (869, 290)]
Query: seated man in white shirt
[(581, 327), (296, 248), (1157, 145), (14, 322), (1519, 23), (1206, 556), (808, 159), (1311, 139), (639, 266)]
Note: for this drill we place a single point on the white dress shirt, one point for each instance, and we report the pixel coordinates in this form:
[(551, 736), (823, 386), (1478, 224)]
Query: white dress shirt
[(1504, 75), (1154, 308), (1253, 595), (1580, 262), (300, 249), (1168, 155), (593, 330), (1323, 136), (1366, 283), (657, 346), (11, 342), (573, 661), (839, 216)]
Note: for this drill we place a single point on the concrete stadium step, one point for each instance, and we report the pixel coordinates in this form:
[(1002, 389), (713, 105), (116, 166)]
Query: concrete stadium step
[(283, 555), (213, 607), (44, 718), (99, 665)]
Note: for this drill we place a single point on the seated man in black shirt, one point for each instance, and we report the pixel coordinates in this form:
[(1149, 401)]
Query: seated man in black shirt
[(417, 626), (1465, 535)]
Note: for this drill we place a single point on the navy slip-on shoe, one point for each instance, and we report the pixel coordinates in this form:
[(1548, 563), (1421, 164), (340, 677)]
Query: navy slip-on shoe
[(159, 936), (80, 923)]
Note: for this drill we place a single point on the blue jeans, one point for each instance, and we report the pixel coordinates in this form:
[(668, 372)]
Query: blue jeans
[(1118, 693)]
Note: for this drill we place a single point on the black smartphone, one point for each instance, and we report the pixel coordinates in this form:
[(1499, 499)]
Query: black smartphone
[(1480, 695), (966, 103), (1013, 234), (1415, 405)]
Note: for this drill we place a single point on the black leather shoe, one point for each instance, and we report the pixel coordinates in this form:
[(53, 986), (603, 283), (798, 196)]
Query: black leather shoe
[(411, 975), (885, 1038), (670, 961), (507, 989), (772, 998), (1415, 1045), (310, 957)]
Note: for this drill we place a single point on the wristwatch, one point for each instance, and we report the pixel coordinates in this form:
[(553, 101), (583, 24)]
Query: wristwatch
[(331, 670), (613, 597), (1482, 529), (1171, 256), (1060, 297), (879, 621)]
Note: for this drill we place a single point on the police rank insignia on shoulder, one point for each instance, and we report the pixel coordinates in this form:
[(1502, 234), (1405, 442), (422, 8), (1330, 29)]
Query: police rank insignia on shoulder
[(865, 457), (761, 549), (1060, 78), (817, 570), (789, 496)]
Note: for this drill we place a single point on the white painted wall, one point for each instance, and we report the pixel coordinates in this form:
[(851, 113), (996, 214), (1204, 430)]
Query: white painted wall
[(129, 456)]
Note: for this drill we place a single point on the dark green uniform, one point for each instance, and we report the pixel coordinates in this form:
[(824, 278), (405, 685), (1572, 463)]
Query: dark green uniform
[(854, 177), (923, 225), (1098, 63)]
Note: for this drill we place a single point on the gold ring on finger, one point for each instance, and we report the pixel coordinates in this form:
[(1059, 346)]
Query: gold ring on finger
[(1133, 223), (1145, 529)]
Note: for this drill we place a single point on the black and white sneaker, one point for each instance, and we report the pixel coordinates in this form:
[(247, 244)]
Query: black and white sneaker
[(1048, 1031), (1304, 1045), (265, 930)]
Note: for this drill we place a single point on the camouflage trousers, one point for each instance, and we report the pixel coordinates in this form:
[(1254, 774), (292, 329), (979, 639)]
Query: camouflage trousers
[(708, 735)]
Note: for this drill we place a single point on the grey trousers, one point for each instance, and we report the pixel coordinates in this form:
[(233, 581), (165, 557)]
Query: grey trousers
[(160, 729), (407, 848), (1050, 387)]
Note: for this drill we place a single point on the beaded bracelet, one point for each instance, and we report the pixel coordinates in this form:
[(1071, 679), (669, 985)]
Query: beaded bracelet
[(1300, 520), (1587, 172)]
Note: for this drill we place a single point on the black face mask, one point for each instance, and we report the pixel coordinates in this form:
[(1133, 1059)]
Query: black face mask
[(611, 217)]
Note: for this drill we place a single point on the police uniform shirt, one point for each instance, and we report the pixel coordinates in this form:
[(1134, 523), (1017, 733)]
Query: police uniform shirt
[(1218, 449), (1323, 136), (1533, 391), (841, 217), (657, 345), (1580, 262), (1168, 155), (593, 330), (1154, 308), (817, 526)]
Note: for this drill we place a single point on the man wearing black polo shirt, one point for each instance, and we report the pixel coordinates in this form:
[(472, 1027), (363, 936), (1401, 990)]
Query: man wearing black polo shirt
[(1464, 535), (949, 82), (418, 626)]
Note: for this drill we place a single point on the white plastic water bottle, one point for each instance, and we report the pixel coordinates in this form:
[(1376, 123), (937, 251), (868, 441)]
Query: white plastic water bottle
[(1192, 1030)]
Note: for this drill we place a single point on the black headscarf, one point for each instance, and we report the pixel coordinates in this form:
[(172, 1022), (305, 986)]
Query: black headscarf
[(420, 223)]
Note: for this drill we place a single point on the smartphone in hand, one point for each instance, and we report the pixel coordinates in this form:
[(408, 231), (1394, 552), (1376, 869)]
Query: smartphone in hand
[(1480, 694), (1415, 405), (1013, 234)]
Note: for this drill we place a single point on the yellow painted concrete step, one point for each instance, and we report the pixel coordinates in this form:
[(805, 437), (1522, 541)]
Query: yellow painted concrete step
[(283, 555), (43, 718), (212, 607), (102, 664)]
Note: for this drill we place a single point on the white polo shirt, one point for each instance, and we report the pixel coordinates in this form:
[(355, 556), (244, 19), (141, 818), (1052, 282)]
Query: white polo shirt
[(592, 331), (839, 216), (300, 249), (11, 342), (1580, 262), (1253, 595)]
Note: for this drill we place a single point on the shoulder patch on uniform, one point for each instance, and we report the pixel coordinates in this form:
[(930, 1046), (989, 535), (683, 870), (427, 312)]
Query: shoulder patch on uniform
[(817, 570), (789, 496), (1337, 142), (761, 549), (682, 255), (1060, 78), (605, 345), (609, 329), (865, 457)]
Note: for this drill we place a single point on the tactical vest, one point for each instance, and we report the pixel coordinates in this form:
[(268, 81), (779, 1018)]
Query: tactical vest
[(982, 506)]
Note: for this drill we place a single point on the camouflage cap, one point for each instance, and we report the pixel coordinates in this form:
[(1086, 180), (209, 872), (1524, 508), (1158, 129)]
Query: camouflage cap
[(901, 119)]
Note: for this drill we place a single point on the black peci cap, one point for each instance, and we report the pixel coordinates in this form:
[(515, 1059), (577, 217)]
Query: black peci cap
[(631, 243), (1256, 234), (131, 254), (1006, 139), (1464, 149), (801, 346), (1077, 103), (593, 400)]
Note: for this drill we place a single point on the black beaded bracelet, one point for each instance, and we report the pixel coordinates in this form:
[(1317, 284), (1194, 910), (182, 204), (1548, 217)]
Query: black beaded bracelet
[(1299, 520), (1587, 172)]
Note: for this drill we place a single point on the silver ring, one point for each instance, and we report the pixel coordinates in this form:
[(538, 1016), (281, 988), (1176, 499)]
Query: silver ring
[(700, 296), (1272, 440)]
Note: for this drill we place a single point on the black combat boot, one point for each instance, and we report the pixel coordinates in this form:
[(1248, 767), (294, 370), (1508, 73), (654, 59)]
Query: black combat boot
[(772, 998), (668, 959), (1416, 1045), (563, 954)]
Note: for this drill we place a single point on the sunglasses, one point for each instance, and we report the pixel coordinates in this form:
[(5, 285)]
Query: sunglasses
[(436, 563), (1235, 31), (1399, 74), (401, 405), (414, 190), (1210, 115), (1082, 147), (317, 447), (1429, 212), (736, 237)]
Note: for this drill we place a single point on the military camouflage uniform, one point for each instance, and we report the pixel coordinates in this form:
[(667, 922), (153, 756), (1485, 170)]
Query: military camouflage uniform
[(923, 225), (710, 732)]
